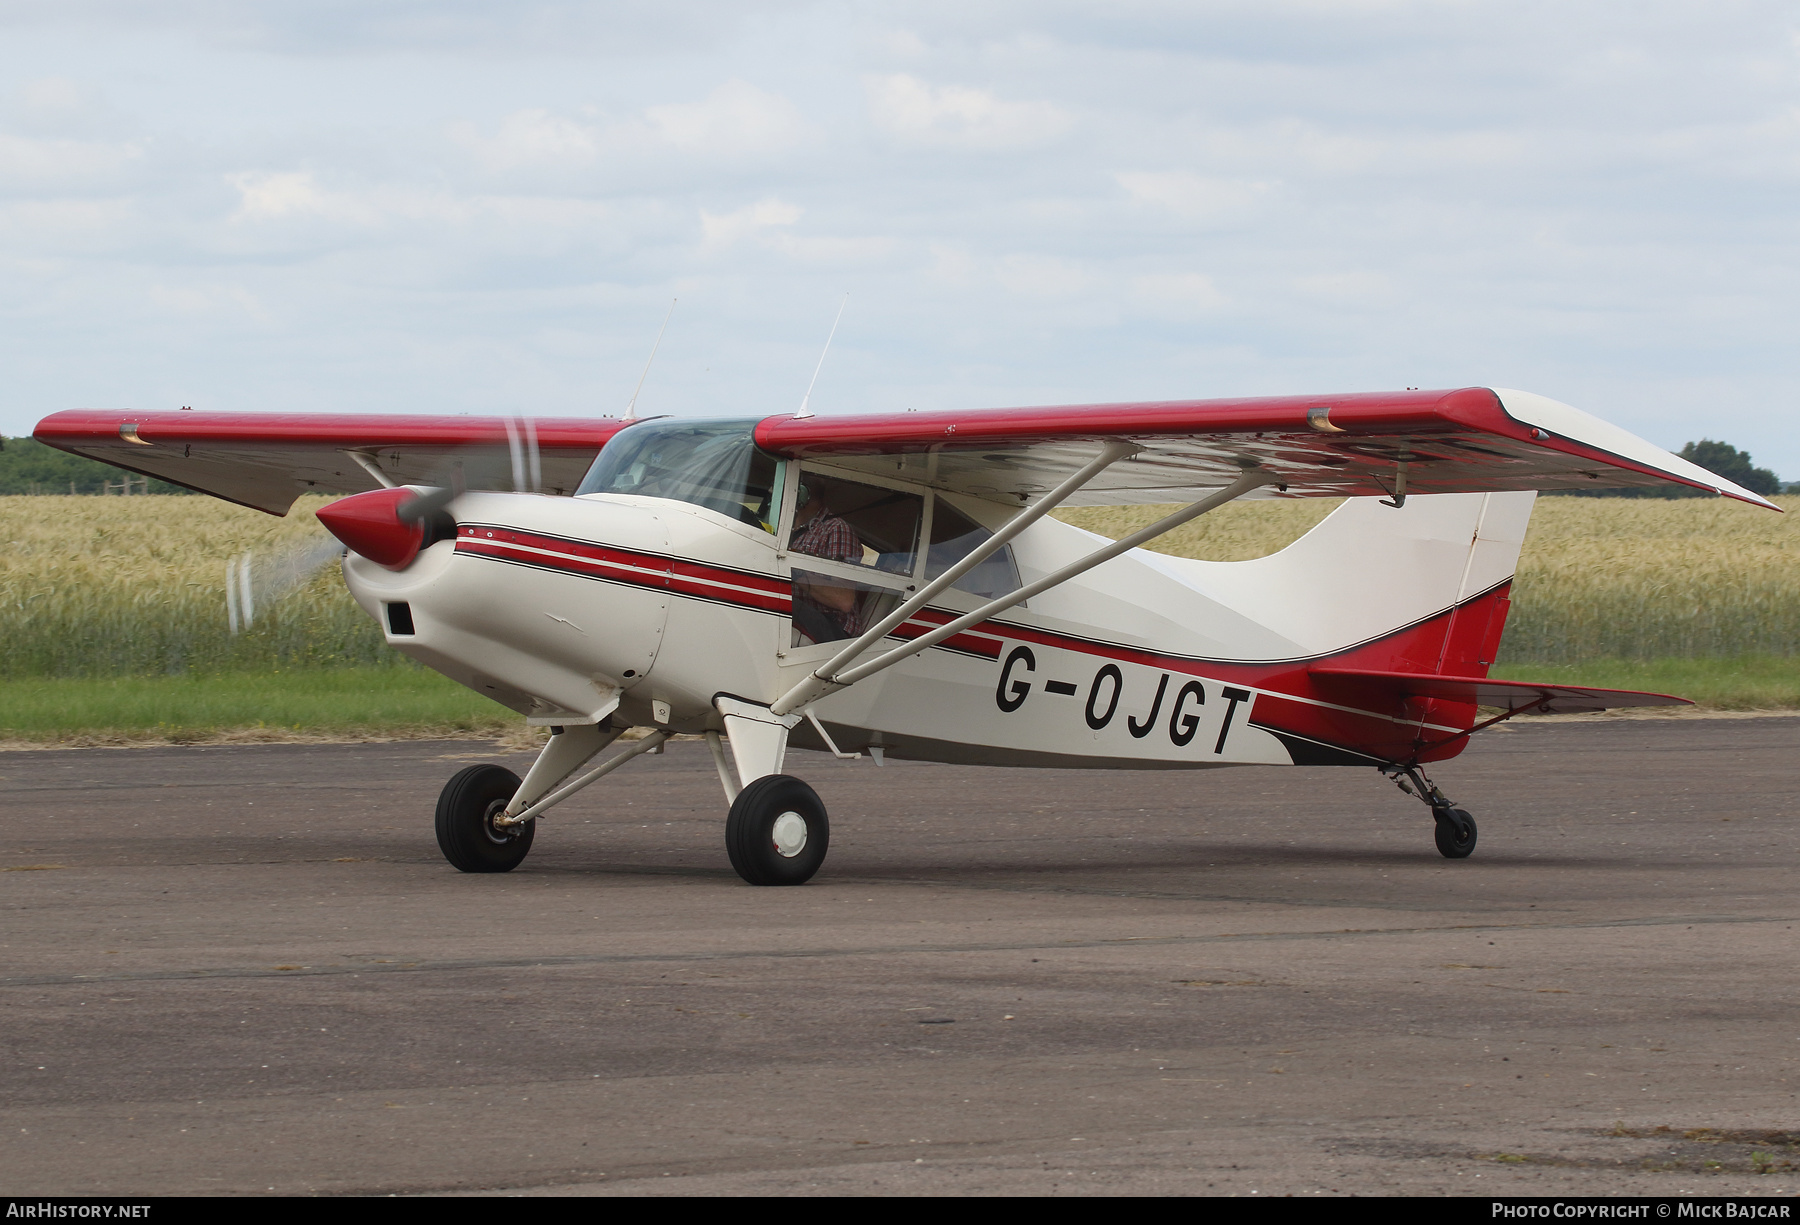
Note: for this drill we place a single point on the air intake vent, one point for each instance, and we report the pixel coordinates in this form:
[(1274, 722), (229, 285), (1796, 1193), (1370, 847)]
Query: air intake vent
[(399, 619)]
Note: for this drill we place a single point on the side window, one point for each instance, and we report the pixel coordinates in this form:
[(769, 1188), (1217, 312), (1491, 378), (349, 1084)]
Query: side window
[(853, 524), (831, 608), (953, 537), (857, 524)]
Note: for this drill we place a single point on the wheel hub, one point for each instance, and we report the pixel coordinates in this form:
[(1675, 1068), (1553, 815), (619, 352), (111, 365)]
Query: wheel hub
[(789, 834), (497, 834)]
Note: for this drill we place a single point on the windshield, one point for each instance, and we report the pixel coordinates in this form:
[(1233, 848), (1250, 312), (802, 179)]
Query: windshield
[(714, 464)]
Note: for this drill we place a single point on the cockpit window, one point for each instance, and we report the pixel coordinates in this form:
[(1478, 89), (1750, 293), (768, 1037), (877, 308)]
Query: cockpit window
[(715, 464)]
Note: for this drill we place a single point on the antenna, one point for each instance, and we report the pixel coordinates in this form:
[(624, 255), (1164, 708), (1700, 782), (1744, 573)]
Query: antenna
[(807, 398), (631, 408), (518, 455)]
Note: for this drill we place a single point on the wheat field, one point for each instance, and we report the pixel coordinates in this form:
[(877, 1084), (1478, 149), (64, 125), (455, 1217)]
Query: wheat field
[(99, 587), (116, 586)]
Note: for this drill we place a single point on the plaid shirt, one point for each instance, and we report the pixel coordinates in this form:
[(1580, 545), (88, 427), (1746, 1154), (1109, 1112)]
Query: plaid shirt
[(828, 536)]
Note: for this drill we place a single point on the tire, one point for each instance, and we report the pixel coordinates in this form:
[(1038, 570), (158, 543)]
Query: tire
[(1455, 832), (765, 844), (465, 812)]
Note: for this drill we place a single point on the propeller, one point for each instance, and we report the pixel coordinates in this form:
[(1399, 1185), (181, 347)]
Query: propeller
[(389, 526), (429, 501), (254, 584), (393, 524)]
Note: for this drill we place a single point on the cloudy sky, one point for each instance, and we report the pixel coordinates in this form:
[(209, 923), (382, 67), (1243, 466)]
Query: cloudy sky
[(468, 206)]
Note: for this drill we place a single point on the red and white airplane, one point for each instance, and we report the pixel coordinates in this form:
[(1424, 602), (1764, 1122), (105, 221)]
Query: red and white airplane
[(892, 584)]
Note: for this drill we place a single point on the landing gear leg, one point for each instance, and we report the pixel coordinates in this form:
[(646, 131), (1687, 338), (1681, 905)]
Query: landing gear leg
[(569, 749), (1455, 828)]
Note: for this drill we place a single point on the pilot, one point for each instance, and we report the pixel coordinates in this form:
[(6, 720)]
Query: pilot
[(818, 531), (825, 612)]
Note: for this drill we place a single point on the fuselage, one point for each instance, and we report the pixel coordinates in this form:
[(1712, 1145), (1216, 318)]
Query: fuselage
[(642, 610)]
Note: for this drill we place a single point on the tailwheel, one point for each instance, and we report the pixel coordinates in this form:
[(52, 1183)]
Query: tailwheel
[(777, 832), (466, 832), (1455, 832)]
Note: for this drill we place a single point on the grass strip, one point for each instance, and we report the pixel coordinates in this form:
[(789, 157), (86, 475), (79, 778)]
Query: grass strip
[(331, 703), (399, 703)]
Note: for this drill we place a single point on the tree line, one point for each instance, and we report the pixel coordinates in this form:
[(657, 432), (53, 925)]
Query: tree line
[(1717, 457), (27, 466)]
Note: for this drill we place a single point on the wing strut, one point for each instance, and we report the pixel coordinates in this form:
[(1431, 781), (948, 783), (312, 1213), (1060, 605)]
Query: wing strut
[(828, 680), (369, 464)]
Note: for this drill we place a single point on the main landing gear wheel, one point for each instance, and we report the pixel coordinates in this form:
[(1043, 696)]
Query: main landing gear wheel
[(466, 832), (777, 832), (1455, 832)]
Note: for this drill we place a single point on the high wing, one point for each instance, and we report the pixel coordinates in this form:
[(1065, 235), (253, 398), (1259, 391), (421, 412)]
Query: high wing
[(266, 460), (1472, 440), (1468, 440)]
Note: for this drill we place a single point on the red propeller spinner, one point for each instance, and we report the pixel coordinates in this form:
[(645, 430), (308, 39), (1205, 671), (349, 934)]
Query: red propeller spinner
[(373, 525)]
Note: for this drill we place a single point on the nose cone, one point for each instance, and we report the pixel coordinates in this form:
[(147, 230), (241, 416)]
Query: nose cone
[(370, 524)]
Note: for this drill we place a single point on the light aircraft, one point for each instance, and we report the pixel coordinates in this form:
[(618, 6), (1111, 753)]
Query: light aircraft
[(892, 585)]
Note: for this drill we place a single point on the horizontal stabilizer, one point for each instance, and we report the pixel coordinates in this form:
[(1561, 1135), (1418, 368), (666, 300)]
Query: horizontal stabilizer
[(1387, 687)]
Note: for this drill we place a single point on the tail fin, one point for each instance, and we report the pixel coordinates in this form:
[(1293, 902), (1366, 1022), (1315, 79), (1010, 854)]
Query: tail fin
[(1418, 588), (1377, 592)]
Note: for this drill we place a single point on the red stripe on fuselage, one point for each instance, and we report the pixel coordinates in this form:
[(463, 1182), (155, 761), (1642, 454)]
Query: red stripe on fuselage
[(922, 623), (761, 592)]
